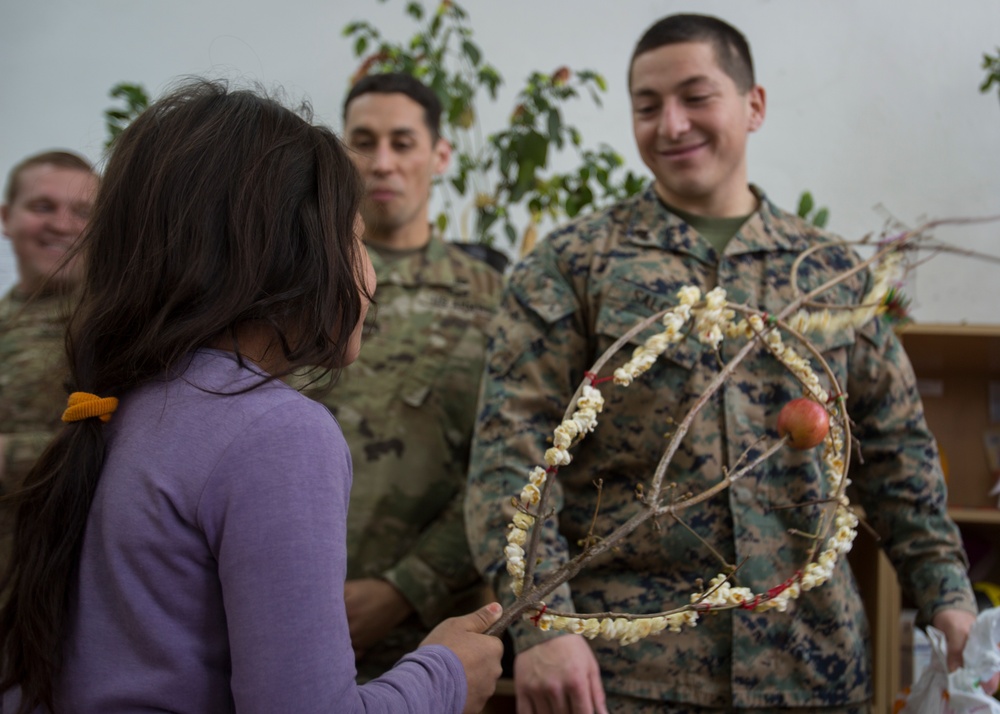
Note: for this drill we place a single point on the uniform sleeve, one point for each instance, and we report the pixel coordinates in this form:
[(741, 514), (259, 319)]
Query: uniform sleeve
[(274, 514), (437, 567), (535, 360), (900, 481)]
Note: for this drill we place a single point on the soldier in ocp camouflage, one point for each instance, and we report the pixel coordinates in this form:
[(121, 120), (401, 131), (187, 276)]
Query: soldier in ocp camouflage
[(406, 408), (32, 375), (45, 207), (581, 290), (407, 404)]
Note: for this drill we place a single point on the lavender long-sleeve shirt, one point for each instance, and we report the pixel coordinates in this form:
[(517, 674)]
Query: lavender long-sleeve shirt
[(212, 573)]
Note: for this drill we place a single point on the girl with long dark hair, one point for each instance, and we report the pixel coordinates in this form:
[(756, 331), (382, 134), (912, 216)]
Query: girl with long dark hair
[(180, 545)]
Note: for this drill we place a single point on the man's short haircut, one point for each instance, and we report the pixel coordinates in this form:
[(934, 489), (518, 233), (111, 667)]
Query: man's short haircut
[(60, 159), (732, 51), (400, 83)]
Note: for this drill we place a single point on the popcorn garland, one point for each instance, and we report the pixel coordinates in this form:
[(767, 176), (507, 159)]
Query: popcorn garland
[(712, 322), (887, 275)]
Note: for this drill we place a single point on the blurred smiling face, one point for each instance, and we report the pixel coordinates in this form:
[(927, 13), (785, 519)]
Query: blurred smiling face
[(397, 158), (691, 124), (50, 209)]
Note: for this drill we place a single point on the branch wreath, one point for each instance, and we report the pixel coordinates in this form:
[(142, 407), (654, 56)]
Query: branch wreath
[(711, 319)]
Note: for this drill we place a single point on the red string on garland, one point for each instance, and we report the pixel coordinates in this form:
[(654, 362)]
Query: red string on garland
[(535, 618), (595, 380), (777, 590)]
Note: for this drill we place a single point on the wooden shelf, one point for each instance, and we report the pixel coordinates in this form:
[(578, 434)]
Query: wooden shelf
[(955, 365), (989, 516)]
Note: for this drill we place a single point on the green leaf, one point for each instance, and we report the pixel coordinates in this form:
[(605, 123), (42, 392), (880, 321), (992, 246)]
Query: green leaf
[(487, 217), (821, 217), (506, 159), (555, 127), (472, 52), (459, 183), (535, 148), (572, 205), (511, 232), (360, 45), (442, 222), (489, 76), (805, 204), (525, 180), (415, 10), (634, 184)]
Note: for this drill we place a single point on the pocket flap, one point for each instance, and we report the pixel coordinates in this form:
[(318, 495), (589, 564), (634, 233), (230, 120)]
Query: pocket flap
[(627, 305)]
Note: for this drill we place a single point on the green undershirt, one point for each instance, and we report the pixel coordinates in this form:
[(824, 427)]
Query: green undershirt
[(717, 231)]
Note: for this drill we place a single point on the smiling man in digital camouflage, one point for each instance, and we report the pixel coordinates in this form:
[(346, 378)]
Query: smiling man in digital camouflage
[(700, 223)]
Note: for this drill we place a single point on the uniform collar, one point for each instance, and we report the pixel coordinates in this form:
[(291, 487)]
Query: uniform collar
[(652, 225), (21, 298), (429, 266)]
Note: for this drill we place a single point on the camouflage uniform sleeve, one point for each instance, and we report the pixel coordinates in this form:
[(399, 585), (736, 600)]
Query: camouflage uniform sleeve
[(535, 359), (900, 483), (21, 450), (437, 570), (438, 566)]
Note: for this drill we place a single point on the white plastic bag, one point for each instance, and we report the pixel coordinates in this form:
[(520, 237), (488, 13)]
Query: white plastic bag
[(938, 692)]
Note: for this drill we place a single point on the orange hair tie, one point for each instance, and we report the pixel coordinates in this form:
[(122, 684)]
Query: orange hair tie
[(84, 405)]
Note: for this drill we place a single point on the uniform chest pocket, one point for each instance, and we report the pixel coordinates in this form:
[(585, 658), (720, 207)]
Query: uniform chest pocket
[(798, 476), (447, 349), (623, 307), (835, 349)]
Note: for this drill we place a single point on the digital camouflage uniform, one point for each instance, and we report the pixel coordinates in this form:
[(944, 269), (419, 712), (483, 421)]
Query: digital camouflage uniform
[(407, 408), (32, 393), (569, 300)]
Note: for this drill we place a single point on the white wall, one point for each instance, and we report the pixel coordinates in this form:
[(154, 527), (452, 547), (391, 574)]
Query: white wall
[(870, 102)]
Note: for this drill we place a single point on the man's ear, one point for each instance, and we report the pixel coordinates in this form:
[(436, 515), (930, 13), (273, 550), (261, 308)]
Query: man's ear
[(757, 100), (4, 213), (442, 156)]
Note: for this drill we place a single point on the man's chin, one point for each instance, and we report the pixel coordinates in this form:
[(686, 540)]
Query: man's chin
[(379, 221)]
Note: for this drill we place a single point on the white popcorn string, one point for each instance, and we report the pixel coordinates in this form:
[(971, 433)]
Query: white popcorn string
[(711, 320)]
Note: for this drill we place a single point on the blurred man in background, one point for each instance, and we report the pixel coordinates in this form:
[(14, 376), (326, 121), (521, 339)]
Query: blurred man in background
[(45, 208)]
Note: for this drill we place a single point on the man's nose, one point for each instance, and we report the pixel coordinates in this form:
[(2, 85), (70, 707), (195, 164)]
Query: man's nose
[(674, 121), (382, 159), (65, 221)]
